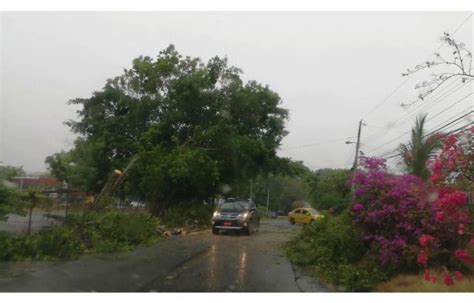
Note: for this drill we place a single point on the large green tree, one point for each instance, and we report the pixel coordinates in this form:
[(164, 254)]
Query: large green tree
[(9, 172), (194, 126), (329, 188)]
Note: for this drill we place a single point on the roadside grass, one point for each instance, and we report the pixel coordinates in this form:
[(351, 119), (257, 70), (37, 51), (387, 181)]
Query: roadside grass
[(416, 283)]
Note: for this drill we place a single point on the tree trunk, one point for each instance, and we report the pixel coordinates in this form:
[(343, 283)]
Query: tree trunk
[(29, 221)]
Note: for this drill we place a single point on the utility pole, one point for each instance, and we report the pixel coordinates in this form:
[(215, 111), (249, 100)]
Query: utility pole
[(356, 160), (21, 178), (67, 200), (251, 189), (268, 197)]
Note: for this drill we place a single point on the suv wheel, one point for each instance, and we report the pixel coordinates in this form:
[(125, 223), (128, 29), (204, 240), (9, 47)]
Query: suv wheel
[(215, 231)]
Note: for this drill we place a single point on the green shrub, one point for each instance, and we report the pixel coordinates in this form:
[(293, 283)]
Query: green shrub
[(332, 239), (358, 277), (24, 248), (57, 242), (333, 248), (54, 243), (186, 214), (93, 231), (6, 246), (113, 231)]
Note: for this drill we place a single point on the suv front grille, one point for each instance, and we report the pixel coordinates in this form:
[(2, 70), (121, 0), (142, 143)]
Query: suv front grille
[(229, 216)]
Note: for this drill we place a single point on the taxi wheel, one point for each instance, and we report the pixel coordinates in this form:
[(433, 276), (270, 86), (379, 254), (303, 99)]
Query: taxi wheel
[(311, 221), (292, 221)]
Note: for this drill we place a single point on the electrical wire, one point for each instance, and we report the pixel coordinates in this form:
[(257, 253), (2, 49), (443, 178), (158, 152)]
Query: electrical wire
[(317, 143), (406, 117), (388, 142)]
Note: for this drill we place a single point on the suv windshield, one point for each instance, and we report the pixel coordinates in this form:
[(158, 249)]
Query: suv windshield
[(237, 205)]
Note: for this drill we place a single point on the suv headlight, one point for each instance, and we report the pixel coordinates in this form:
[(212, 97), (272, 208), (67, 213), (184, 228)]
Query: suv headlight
[(243, 216), (216, 214)]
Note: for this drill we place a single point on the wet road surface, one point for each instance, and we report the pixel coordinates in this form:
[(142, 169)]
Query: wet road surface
[(19, 224), (200, 262)]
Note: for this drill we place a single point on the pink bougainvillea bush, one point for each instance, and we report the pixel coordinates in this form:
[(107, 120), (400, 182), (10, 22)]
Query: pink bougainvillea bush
[(392, 213), (454, 165), (452, 180), (407, 224)]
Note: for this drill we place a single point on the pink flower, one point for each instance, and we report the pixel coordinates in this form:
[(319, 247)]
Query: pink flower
[(422, 258), (434, 279), (463, 255), (439, 216), (448, 280), (426, 274), (458, 275), (425, 240), (358, 207)]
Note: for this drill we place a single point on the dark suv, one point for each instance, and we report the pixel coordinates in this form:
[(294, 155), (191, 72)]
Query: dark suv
[(236, 215)]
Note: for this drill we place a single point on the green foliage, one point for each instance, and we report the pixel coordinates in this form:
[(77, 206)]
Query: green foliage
[(92, 232), (331, 240), (360, 277), (54, 243), (6, 246), (332, 247), (58, 242), (183, 174), (10, 202), (113, 231), (329, 189), (284, 190), (420, 148), (187, 214), (194, 125), (33, 198), (8, 172)]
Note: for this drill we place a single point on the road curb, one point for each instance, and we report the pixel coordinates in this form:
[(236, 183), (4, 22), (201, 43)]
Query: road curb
[(306, 283)]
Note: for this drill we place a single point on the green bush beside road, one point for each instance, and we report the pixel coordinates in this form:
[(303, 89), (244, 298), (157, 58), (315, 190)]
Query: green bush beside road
[(332, 248), (55, 243), (90, 232), (188, 214)]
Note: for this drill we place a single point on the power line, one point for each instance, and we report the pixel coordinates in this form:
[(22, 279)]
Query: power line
[(458, 120), (445, 109), (384, 100), (388, 142), (317, 143), (432, 102), (406, 117), (456, 131)]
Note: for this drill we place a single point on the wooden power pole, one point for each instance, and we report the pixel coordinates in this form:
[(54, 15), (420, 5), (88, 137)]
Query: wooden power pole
[(356, 160)]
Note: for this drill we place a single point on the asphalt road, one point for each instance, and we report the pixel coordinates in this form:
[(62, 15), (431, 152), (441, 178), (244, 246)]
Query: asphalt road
[(19, 224), (200, 262)]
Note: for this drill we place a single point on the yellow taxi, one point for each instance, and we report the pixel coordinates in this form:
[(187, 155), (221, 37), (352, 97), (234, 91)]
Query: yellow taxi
[(304, 215)]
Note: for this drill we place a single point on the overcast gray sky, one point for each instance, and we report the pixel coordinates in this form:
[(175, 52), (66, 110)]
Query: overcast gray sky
[(330, 68)]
